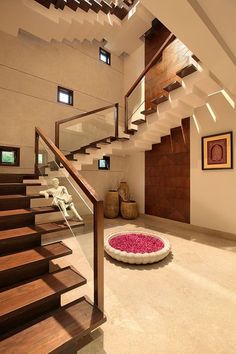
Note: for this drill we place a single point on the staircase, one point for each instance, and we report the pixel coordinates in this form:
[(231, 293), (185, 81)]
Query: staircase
[(74, 27), (179, 100), (32, 319)]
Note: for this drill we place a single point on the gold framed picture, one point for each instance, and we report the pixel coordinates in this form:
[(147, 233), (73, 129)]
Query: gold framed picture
[(217, 151)]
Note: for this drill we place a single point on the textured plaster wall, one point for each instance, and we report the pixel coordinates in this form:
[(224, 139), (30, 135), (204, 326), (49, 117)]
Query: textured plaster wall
[(213, 193)]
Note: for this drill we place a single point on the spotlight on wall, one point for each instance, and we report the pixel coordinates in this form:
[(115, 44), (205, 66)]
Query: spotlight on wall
[(212, 113), (196, 123), (228, 98)]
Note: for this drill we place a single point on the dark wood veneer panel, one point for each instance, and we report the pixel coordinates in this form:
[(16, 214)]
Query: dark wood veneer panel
[(167, 176)]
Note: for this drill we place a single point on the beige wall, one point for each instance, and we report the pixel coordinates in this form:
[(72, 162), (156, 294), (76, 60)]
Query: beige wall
[(30, 72), (135, 176), (213, 193), (101, 180)]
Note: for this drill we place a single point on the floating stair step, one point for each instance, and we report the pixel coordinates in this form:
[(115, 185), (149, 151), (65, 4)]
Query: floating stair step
[(15, 177), (44, 210), (149, 111), (24, 302), (195, 58), (82, 152), (22, 238), (27, 264), (173, 86), (139, 121), (69, 156), (12, 188), (17, 201), (93, 146), (187, 70), (35, 196), (131, 131), (14, 201), (57, 226), (122, 139), (16, 218), (160, 99), (56, 333)]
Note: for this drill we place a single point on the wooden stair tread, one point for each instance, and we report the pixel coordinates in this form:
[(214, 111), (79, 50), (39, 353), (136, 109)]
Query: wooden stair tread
[(160, 99), (195, 58), (35, 210), (148, 111), (56, 226), (62, 328), (16, 177), (47, 252), (187, 70), (20, 184), (13, 212), (40, 228), (44, 209), (173, 86), (22, 296), (139, 121), (130, 131), (12, 196), (18, 196), (17, 232), (122, 139)]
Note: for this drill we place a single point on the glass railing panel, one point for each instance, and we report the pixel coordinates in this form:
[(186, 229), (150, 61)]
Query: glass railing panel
[(73, 215), (136, 103), (86, 130), (163, 71)]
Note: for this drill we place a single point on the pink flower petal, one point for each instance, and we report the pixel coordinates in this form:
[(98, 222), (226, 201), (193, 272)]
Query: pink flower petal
[(136, 243)]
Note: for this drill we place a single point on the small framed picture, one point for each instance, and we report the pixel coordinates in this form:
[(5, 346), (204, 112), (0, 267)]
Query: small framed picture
[(217, 151)]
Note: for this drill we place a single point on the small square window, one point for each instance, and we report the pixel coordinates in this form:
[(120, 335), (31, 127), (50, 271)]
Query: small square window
[(105, 56), (64, 95), (9, 156), (40, 159), (104, 163)]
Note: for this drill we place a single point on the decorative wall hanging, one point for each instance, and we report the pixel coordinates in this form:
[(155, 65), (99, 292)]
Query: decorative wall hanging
[(217, 151)]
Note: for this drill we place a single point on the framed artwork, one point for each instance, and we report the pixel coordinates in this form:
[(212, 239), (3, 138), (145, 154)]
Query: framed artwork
[(217, 151)]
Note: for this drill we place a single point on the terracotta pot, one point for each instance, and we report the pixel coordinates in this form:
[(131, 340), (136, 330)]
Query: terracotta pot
[(129, 210), (111, 209), (124, 191)]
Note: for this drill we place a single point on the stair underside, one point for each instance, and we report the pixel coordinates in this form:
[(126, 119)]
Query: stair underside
[(112, 8), (58, 331)]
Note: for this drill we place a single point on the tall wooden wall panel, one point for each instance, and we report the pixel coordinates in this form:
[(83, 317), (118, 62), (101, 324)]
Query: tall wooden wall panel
[(175, 57), (167, 176)]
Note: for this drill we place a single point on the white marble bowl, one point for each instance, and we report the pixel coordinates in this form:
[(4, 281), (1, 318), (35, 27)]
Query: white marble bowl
[(137, 258)]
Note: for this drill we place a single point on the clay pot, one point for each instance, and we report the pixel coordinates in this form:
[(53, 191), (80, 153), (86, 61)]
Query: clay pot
[(111, 209), (129, 210), (124, 191)]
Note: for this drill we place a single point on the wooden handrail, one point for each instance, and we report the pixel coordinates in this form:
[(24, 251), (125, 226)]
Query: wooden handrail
[(60, 157), (154, 59), (85, 114), (98, 218)]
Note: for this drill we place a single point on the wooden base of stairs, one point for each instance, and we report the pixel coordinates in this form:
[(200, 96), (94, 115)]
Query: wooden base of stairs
[(31, 317), (57, 332)]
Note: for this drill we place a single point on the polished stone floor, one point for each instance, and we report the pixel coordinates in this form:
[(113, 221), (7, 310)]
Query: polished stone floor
[(186, 304)]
